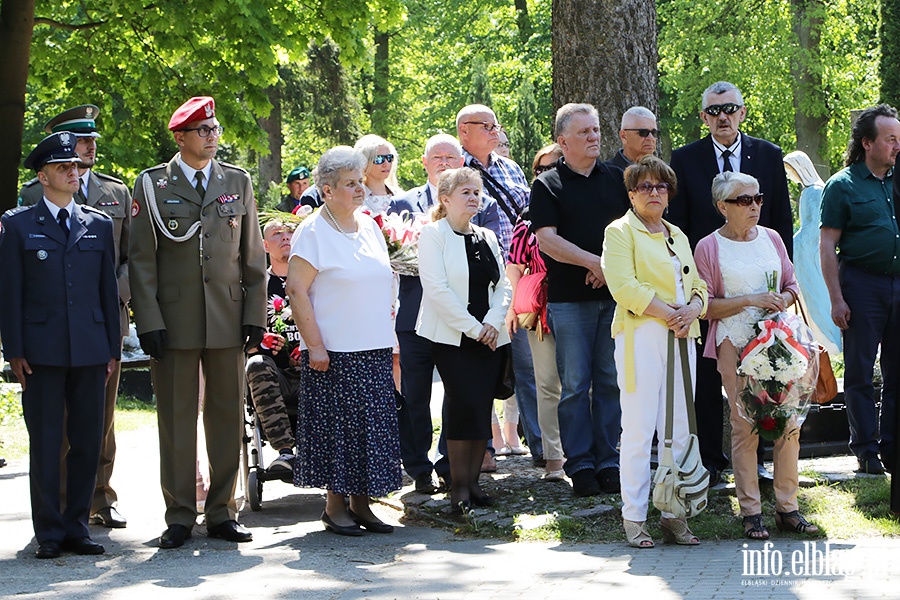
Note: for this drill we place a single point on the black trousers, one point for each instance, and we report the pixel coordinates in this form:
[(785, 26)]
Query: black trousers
[(58, 399), (416, 372)]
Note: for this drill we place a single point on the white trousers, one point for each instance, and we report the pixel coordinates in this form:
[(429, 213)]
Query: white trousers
[(644, 412)]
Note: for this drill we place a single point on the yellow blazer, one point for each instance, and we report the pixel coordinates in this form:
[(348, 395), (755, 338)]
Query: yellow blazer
[(637, 267), (444, 272)]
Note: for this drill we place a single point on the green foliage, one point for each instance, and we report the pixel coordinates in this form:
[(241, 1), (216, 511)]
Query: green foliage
[(480, 92), (525, 134), (890, 52), (751, 44), (10, 403)]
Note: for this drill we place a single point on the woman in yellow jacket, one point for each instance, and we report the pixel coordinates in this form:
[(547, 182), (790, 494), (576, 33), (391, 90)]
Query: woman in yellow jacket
[(651, 274)]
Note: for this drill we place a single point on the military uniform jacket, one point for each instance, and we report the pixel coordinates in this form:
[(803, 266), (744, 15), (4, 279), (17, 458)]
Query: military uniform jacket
[(110, 196), (58, 299), (204, 289)]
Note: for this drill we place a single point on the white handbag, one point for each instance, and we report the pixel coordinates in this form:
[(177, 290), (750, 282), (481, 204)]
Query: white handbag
[(680, 487)]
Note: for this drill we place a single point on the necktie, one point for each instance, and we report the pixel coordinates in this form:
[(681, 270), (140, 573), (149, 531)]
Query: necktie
[(726, 160), (199, 184), (63, 218), (82, 194)]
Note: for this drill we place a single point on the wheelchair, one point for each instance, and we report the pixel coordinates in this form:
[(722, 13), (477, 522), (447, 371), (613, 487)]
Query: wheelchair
[(253, 471)]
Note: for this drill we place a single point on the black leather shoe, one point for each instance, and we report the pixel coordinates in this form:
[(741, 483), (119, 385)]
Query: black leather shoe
[(425, 484), (871, 465), (445, 483), (715, 476), (373, 526), (463, 507), (109, 517), (49, 549), (484, 500), (174, 536), (83, 546), (351, 530), (608, 478), (584, 483), (230, 531)]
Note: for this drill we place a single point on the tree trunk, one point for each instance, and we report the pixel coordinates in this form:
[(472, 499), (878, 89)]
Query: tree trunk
[(604, 53), (380, 100), (810, 110), (523, 20), (16, 24), (270, 164)]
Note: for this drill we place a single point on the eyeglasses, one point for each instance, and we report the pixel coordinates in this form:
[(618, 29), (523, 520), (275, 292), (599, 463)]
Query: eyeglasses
[(504, 144), (204, 131), (444, 159), (646, 132), (746, 200), (382, 158), (487, 126), (647, 188), (729, 109), (542, 169)]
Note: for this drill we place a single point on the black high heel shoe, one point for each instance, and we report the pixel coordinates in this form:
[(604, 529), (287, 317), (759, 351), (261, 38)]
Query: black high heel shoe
[(462, 507), (349, 530), (484, 500), (373, 526)]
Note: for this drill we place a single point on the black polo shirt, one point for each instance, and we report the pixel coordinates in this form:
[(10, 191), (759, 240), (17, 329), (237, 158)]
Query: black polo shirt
[(580, 208)]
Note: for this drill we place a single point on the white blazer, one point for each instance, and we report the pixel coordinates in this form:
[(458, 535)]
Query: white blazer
[(444, 272)]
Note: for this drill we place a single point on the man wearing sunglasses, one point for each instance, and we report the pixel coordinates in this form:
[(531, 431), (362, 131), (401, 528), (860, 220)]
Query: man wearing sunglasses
[(860, 254), (726, 148), (639, 136)]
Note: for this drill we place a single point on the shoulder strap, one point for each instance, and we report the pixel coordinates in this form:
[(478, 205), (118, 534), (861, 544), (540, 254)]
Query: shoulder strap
[(670, 387), (497, 191)]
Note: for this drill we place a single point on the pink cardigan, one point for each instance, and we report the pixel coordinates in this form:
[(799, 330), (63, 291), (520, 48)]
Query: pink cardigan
[(707, 258)]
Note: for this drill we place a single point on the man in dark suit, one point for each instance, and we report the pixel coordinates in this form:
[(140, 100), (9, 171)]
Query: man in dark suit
[(198, 281), (695, 165), (110, 196), (442, 152), (59, 320)]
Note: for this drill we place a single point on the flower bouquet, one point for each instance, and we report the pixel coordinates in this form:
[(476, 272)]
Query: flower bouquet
[(779, 368), (401, 233)]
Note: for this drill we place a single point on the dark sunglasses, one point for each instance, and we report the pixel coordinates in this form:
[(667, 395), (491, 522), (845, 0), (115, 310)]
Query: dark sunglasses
[(381, 158), (646, 132), (542, 169), (746, 200), (729, 109), (647, 188)]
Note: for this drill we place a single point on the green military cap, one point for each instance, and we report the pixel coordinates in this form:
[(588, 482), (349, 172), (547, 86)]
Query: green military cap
[(79, 120), (297, 174)]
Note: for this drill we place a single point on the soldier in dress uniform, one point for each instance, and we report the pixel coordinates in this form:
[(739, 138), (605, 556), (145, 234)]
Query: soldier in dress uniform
[(297, 182), (198, 282), (59, 319), (110, 196)]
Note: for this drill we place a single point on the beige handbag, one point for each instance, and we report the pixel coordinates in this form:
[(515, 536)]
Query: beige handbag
[(680, 487)]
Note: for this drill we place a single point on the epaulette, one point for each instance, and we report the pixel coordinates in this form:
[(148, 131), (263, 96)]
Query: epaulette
[(31, 183), (96, 211), (159, 166), (235, 167), (17, 210), (108, 178)]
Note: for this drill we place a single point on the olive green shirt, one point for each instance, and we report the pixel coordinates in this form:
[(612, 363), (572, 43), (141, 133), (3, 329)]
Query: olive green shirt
[(862, 207)]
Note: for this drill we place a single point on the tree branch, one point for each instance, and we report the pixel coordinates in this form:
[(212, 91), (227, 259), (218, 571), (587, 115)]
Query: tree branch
[(67, 26)]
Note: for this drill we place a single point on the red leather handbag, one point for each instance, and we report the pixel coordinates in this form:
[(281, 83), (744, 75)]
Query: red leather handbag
[(530, 302)]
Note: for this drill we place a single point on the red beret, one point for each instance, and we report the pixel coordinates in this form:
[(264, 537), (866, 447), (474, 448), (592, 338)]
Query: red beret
[(197, 108)]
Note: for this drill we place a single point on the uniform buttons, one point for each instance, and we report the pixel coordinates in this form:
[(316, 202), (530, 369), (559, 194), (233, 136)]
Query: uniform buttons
[(71, 302), (70, 285), (206, 235), (206, 257), (686, 269), (70, 265), (206, 280)]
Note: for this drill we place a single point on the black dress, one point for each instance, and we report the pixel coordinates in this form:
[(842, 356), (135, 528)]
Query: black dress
[(471, 370)]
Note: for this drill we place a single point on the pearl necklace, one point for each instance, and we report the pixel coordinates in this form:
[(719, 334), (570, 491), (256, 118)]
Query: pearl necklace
[(336, 224)]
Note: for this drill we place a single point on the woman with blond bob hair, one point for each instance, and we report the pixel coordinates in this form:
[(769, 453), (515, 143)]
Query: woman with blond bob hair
[(651, 275), (465, 295), (379, 172)]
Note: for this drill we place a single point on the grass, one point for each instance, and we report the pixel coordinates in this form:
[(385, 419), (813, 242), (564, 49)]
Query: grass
[(131, 415)]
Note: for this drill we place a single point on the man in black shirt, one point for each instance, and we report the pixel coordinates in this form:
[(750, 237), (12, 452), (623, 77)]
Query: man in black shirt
[(570, 209), (273, 375)]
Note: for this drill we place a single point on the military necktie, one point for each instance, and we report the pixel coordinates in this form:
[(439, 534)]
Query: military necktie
[(199, 186), (726, 160), (63, 218), (82, 193)]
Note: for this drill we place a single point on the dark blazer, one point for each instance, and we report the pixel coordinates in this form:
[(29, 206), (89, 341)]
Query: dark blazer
[(695, 167), (59, 304), (618, 160)]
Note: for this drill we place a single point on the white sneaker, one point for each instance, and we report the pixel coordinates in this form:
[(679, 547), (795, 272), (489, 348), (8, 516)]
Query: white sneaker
[(284, 462)]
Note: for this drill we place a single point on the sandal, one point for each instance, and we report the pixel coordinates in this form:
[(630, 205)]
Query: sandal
[(677, 531), (794, 521), (637, 535), (756, 530)]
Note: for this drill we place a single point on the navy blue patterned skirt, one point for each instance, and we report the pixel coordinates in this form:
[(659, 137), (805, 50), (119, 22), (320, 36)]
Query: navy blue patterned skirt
[(347, 436)]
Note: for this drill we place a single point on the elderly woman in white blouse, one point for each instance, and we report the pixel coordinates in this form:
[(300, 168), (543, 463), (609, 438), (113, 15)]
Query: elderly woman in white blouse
[(341, 288)]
